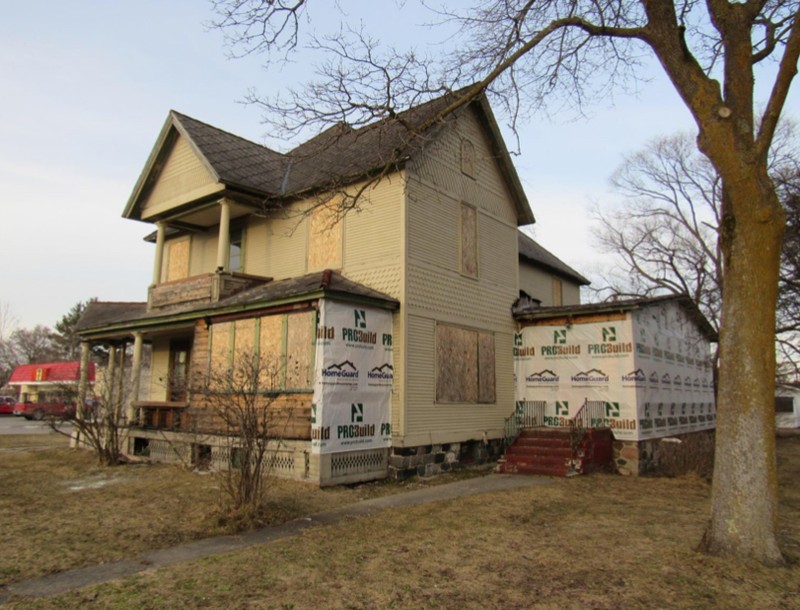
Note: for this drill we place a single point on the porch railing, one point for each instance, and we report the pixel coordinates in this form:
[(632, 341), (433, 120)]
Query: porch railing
[(162, 415), (527, 414), (592, 414)]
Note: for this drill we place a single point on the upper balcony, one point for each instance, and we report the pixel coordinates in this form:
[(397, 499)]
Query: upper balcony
[(205, 288)]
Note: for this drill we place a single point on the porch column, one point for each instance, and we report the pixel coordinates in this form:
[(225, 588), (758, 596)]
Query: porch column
[(111, 375), (83, 383), (135, 376), (160, 233), (121, 383), (224, 244)]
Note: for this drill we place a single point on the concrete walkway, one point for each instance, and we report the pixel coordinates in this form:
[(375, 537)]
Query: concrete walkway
[(53, 584)]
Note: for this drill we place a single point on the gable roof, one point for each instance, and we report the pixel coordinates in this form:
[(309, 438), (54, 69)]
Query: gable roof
[(49, 372), (232, 160), (339, 155), (532, 251)]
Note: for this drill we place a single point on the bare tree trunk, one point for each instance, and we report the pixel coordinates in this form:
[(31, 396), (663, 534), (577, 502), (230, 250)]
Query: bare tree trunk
[(744, 502)]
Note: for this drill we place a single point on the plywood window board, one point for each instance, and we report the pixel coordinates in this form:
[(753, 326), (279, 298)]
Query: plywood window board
[(486, 368), (220, 365), (299, 341), (469, 240), (324, 238), (178, 252), (271, 351), (244, 349), (282, 343), (558, 292), (465, 365)]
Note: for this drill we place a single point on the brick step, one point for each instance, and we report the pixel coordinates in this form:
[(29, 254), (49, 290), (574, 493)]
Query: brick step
[(565, 452), (534, 460), (545, 431), (542, 442), (549, 451)]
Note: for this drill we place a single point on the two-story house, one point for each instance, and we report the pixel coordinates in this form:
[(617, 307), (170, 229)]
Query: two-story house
[(390, 324)]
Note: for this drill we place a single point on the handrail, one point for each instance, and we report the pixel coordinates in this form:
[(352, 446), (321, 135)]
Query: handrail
[(592, 414), (527, 414)]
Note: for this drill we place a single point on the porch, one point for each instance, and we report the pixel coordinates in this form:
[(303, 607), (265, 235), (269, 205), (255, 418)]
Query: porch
[(554, 445)]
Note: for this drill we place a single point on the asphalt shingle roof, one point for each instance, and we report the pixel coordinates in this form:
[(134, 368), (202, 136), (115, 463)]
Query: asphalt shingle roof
[(233, 159), (532, 251), (336, 157)]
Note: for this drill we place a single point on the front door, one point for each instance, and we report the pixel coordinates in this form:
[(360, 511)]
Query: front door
[(179, 357)]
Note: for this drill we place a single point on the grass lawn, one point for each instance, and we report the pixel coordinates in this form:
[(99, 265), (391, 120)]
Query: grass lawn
[(601, 541), (60, 510)]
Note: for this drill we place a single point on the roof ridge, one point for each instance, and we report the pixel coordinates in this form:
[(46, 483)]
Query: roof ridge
[(356, 132)]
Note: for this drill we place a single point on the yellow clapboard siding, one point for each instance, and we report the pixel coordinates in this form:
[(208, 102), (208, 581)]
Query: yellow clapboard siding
[(439, 291), (182, 178)]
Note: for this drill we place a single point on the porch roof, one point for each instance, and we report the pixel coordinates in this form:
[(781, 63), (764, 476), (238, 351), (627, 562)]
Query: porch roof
[(109, 319)]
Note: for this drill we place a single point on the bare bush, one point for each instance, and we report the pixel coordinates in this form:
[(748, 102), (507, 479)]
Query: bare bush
[(241, 404)]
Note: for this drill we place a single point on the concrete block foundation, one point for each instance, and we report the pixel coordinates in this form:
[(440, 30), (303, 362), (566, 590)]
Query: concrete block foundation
[(429, 460)]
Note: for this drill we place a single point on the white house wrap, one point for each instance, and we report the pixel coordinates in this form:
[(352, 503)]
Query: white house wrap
[(353, 375), (645, 372)]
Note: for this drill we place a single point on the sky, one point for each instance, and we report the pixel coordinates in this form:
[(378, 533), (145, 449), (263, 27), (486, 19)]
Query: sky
[(86, 87)]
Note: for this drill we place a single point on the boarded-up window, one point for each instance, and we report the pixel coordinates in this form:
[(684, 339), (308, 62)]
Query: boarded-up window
[(465, 365), (177, 259), (271, 351), (469, 241), (324, 239), (278, 348), (245, 337), (558, 292), (299, 340), (244, 350), (486, 392), (220, 351)]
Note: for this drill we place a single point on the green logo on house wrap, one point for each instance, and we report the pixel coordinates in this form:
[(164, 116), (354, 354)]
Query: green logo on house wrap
[(360, 318), (560, 346)]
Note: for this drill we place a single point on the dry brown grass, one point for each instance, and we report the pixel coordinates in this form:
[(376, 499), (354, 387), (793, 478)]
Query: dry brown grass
[(60, 510), (589, 542)]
